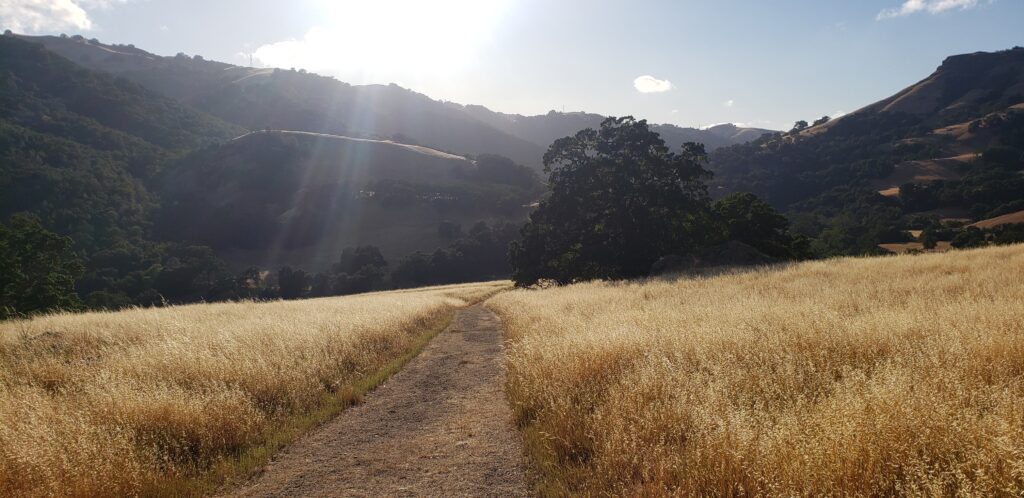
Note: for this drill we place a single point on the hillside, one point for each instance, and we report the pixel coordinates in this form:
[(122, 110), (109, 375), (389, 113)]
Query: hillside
[(165, 203), (953, 142), (296, 100), (273, 198), (78, 147), (283, 99)]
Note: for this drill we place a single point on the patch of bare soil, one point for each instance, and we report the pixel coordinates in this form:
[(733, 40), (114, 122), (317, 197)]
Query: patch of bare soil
[(439, 427), (1005, 219)]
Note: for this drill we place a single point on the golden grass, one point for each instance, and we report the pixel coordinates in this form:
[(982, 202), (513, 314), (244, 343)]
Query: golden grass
[(901, 375), (178, 400)]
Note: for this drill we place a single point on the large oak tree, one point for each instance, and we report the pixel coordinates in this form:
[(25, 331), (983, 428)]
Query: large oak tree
[(619, 200)]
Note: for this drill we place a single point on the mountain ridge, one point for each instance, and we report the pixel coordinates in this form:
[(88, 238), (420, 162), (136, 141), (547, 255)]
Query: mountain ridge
[(258, 98)]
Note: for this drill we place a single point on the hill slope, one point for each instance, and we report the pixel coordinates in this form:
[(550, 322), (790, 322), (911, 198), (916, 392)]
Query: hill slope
[(279, 99), (299, 198), (952, 142), (296, 100), (77, 147)]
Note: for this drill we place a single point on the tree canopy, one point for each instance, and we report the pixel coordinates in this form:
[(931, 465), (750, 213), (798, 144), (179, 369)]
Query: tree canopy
[(39, 269), (619, 200)]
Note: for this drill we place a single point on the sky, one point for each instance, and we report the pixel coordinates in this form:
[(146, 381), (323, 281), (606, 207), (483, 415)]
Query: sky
[(686, 62)]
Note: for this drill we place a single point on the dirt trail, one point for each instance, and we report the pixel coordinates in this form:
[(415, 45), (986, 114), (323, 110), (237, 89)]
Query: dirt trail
[(439, 427)]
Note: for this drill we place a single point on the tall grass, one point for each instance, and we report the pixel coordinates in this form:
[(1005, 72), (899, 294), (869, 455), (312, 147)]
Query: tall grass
[(138, 401), (853, 377)]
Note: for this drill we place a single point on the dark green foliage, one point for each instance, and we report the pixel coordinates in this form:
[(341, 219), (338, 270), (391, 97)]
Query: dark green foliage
[(480, 255), (929, 239), (493, 168), (38, 269), (78, 150), (619, 201), (291, 190), (969, 237), (754, 222), (193, 273), (292, 284), (360, 269)]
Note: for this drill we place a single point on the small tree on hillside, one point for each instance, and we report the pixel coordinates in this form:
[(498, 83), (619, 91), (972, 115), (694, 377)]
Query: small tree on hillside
[(292, 283), (38, 269), (619, 200), (750, 220)]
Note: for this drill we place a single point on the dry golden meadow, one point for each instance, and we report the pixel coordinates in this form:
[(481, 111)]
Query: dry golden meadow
[(855, 377), (150, 401), (852, 377)]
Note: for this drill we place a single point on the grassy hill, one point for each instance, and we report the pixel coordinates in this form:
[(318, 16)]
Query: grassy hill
[(300, 198), (850, 377), (952, 143), (165, 203)]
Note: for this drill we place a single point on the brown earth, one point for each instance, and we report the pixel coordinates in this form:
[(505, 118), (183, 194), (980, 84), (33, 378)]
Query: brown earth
[(439, 427), (942, 246), (1006, 219)]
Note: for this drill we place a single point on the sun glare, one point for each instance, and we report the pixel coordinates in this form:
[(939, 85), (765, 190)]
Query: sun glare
[(382, 38)]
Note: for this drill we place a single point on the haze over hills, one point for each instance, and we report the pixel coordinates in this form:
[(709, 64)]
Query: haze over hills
[(282, 99), (546, 128), (300, 198)]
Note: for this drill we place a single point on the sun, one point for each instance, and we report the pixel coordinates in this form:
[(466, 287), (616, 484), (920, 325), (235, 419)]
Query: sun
[(410, 35)]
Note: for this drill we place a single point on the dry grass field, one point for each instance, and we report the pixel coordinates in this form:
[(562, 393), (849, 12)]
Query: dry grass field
[(156, 400), (900, 375)]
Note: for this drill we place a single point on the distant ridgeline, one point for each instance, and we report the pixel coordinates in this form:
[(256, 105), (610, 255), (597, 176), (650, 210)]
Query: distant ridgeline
[(128, 178)]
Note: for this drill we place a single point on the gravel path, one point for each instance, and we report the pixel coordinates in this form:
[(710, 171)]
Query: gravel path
[(439, 427)]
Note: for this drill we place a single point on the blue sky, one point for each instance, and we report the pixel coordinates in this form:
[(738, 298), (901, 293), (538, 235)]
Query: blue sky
[(762, 63)]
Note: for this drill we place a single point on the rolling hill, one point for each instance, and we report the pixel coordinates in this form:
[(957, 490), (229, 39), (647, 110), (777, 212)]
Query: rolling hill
[(295, 100), (299, 198), (164, 202), (951, 143), (78, 147)]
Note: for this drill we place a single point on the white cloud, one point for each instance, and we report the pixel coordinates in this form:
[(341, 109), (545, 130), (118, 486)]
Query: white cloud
[(729, 103), (49, 16), (675, 111), (650, 84), (930, 6)]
